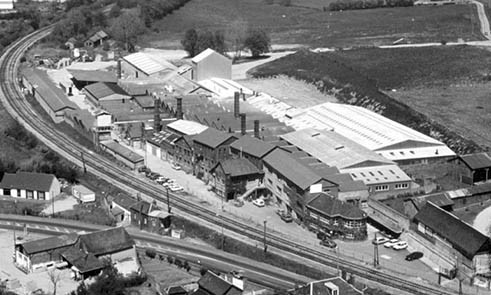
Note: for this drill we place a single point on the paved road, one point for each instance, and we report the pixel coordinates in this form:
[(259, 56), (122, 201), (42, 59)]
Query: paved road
[(483, 19), (239, 71)]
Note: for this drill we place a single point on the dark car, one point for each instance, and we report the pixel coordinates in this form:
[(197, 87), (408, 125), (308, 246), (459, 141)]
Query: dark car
[(414, 256), (328, 243), (285, 216)]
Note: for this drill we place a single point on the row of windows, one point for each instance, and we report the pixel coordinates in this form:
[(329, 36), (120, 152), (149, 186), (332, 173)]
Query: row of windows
[(29, 194), (379, 188), (401, 185), (397, 186)]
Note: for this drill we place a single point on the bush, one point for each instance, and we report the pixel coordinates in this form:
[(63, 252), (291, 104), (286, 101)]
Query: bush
[(150, 253), (257, 41), (203, 271), (170, 259), (367, 4), (178, 262)]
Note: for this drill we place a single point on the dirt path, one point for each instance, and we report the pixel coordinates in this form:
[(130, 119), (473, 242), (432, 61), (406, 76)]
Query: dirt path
[(482, 222), (483, 19), (239, 71)]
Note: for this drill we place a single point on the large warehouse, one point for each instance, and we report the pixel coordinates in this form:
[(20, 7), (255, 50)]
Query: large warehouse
[(375, 132)]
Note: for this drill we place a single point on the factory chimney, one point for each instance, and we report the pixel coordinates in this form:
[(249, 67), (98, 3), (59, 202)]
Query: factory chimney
[(236, 104), (179, 108), (243, 123), (156, 115), (256, 128)]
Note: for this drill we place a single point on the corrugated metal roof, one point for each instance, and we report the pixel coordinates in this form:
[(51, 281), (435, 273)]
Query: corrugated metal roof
[(148, 64), (101, 90), (378, 174), (122, 151), (187, 127), (93, 76), (477, 161), (252, 146), (212, 137)]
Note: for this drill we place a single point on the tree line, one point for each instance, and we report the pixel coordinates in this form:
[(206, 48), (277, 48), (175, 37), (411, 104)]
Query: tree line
[(340, 5)]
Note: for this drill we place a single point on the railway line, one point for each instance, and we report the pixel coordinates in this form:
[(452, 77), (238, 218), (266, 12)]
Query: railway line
[(12, 98)]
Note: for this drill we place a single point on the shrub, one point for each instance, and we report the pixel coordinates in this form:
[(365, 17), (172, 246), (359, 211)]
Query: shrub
[(203, 271), (170, 259), (178, 262), (150, 253)]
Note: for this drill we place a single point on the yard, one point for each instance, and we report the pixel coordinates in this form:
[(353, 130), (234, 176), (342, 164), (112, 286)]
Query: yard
[(313, 27)]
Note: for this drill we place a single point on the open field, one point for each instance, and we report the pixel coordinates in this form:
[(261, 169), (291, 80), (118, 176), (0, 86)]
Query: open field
[(410, 67), (316, 4), (294, 92), (297, 25)]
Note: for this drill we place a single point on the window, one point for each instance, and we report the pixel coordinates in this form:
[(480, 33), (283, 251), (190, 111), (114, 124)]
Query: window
[(379, 188), (354, 175), (41, 196), (401, 185), (371, 173), (270, 181), (362, 174), (6, 192), (278, 188), (380, 172), (29, 194)]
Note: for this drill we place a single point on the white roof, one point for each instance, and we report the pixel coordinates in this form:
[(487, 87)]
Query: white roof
[(187, 127), (333, 149), (7, 5), (204, 54), (378, 174), (370, 130), (148, 64), (82, 189)]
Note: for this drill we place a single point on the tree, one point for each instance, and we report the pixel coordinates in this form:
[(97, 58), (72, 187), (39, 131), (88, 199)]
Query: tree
[(115, 11), (126, 28), (190, 42), (206, 40), (257, 41), (236, 34), (219, 42), (54, 278)]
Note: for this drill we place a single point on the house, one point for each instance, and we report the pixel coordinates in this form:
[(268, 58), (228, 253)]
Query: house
[(210, 147), (290, 181), (30, 185), (96, 39), (183, 152), (52, 99), (149, 217), (210, 64), (141, 65), (212, 284), (103, 91), (331, 286), (123, 154), (71, 43), (82, 78), (252, 149), (474, 168), (120, 206), (234, 177), (324, 213), (454, 240), (83, 194)]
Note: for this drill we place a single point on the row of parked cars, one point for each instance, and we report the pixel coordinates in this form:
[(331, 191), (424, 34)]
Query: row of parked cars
[(397, 245), (169, 183)]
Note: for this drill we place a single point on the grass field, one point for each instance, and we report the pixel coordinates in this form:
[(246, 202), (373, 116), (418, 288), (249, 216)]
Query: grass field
[(296, 25)]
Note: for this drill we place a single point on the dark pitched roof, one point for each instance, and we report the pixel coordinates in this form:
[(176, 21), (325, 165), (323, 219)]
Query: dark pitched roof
[(480, 189), (144, 207), (106, 241), (122, 151), (346, 182), (28, 180), (333, 207), (252, 146), (42, 245), (440, 199), (176, 290), (145, 101), (215, 285), (124, 201), (102, 89), (98, 36), (93, 76), (238, 167), (84, 262), (292, 170), (212, 137), (476, 161), (464, 238)]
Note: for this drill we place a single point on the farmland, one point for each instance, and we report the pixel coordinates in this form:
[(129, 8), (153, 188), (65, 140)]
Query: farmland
[(313, 27)]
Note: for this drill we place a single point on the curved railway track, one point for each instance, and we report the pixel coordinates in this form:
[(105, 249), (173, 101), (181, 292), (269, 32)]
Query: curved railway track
[(13, 100)]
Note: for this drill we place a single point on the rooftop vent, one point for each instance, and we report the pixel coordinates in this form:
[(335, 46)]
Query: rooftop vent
[(338, 147)]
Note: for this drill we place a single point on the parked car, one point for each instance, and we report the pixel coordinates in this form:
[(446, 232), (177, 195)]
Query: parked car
[(391, 243), (143, 169), (400, 245), (285, 216), (176, 188), (175, 166), (414, 256), (328, 243), (259, 202), (380, 240)]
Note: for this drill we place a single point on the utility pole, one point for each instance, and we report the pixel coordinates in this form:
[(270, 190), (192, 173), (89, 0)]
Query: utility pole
[(168, 201), (83, 162), (265, 245), (375, 252)]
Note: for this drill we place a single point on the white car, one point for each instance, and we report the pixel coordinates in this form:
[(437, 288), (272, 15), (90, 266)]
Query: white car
[(380, 240), (400, 245), (176, 187), (175, 167), (259, 202), (391, 243)]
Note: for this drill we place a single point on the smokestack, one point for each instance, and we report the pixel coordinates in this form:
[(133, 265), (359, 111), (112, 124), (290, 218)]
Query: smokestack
[(243, 123), (119, 69), (179, 108), (156, 116), (236, 104), (256, 128)]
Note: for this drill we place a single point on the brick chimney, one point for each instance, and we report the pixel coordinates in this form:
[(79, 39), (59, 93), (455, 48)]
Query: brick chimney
[(156, 116), (179, 108), (236, 104), (256, 128), (243, 123)]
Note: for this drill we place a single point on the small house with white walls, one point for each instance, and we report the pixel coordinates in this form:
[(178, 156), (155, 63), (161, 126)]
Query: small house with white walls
[(211, 64), (30, 185)]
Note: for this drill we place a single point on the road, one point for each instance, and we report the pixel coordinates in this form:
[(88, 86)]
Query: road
[(483, 20), (12, 99)]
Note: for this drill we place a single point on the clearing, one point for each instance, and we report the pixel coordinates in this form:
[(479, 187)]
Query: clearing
[(297, 25)]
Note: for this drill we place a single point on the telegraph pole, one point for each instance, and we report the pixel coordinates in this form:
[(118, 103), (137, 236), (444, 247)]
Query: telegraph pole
[(265, 245), (83, 162), (375, 252), (168, 200)]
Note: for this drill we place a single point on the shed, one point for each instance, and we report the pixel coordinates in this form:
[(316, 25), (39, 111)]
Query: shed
[(83, 194)]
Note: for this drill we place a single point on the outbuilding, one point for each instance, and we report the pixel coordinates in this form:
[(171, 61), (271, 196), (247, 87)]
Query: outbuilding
[(211, 64), (83, 194)]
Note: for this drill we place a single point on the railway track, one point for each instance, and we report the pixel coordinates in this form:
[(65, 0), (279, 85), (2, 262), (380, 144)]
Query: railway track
[(12, 98)]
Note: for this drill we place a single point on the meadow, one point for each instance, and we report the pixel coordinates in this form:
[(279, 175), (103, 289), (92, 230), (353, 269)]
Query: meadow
[(316, 28)]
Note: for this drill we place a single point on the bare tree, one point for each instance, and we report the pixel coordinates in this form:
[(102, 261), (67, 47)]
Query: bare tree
[(54, 278)]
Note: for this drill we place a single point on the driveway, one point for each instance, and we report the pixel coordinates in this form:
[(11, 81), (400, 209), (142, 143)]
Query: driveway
[(239, 71)]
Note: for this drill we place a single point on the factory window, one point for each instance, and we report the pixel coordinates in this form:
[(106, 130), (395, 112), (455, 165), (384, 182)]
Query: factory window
[(392, 171), (401, 185), (379, 172), (379, 188)]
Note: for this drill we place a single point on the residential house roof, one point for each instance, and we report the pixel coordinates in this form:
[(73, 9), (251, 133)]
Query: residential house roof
[(123, 201), (42, 245), (101, 90), (237, 167), (122, 151), (143, 207), (333, 207), (464, 238), (93, 76), (204, 54), (477, 160), (320, 288), (252, 146), (84, 262), (28, 181), (54, 97), (215, 285), (148, 64), (186, 127), (106, 241), (212, 137), (291, 169)]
